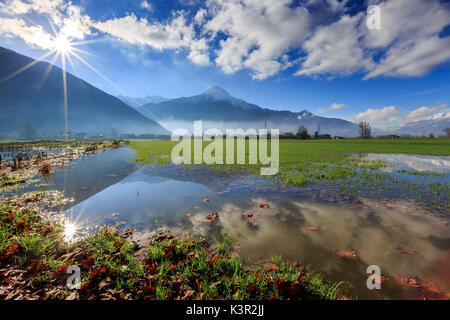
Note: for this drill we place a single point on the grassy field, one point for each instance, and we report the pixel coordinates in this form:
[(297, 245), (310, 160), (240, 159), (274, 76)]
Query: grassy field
[(147, 149), (330, 162)]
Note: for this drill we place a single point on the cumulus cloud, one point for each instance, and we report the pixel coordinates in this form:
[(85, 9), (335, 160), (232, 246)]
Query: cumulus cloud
[(263, 37), (32, 35), (335, 50), (146, 5), (412, 43), (386, 114), (334, 106), (175, 34), (66, 17), (429, 113), (394, 117), (258, 34)]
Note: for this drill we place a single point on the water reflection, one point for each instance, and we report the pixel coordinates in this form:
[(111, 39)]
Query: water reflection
[(412, 162), (165, 195), (109, 189)]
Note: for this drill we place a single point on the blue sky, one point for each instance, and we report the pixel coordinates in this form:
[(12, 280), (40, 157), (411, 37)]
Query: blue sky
[(287, 55)]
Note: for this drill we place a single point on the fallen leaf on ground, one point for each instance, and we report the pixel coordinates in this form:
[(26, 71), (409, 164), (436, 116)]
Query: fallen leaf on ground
[(213, 216), (312, 228), (345, 254), (406, 251), (264, 205), (269, 267)]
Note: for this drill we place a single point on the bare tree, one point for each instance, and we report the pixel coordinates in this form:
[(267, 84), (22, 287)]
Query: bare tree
[(365, 132), (302, 133), (29, 132), (447, 132)]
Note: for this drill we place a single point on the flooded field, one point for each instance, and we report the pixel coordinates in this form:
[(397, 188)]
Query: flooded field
[(336, 232)]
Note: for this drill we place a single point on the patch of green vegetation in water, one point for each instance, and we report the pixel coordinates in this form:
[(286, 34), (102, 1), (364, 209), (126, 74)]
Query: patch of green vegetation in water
[(332, 162)]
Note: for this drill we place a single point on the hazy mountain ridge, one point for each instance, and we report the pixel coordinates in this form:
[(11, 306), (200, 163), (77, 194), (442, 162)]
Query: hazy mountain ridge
[(136, 102), (27, 98), (218, 109)]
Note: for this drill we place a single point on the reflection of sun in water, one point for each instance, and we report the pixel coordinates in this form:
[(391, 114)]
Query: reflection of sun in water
[(69, 231)]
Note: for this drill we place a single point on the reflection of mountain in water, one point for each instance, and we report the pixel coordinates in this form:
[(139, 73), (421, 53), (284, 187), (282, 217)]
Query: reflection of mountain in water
[(211, 178)]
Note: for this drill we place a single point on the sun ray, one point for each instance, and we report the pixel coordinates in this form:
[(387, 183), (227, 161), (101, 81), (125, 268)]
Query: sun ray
[(47, 72), (55, 33), (15, 73), (97, 72), (64, 47), (85, 52), (66, 109), (76, 43), (72, 65)]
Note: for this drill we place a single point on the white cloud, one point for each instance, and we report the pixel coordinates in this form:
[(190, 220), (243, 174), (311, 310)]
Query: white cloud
[(409, 42), (383, 115), (410, 34), (175, 34), (146, 5), (335, 50), (200, 16), (32, 35), (428, 113), (67, 18), (263, 37), (258, 34), (394, 117), (334, 106)]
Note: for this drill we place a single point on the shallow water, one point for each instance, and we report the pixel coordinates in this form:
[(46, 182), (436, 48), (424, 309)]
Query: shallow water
[(109, 189), (420, 163)]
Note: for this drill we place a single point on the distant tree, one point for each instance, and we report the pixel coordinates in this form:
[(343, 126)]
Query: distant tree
[(29, 132), (114, 133), (431, 136), (447, 132), (302, 133), (365, 132), (316, 135)]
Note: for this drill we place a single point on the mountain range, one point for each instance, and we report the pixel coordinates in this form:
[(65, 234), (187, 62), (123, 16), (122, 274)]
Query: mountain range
[(218, 109), (35, 97)]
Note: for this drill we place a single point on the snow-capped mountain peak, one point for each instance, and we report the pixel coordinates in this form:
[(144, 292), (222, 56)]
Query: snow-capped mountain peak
[(217, 93)]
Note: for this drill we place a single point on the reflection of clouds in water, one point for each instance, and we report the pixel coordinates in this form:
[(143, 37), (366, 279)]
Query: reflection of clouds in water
[(416, 162), (373, 233), (140, 199)]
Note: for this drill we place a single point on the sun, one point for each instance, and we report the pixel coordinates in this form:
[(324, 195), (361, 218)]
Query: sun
[(62, 44), (70, 230)]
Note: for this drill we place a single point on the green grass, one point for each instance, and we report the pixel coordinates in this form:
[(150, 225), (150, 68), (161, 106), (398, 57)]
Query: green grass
[(172, 264), (170, 268), (330, 162), (9, 145), (160, 149)]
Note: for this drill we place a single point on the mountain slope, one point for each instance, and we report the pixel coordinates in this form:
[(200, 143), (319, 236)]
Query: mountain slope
[(218, 109), (27, 98), (140, 101)]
